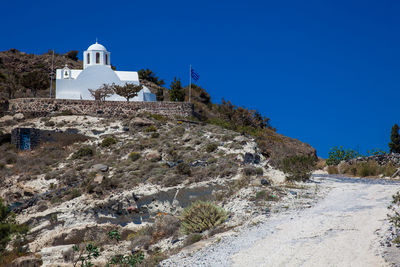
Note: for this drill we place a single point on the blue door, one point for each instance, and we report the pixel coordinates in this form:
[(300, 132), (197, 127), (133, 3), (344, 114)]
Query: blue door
[(25, 141)]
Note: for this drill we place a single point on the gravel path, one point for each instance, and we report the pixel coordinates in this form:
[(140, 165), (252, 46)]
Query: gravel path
[(340, 230)]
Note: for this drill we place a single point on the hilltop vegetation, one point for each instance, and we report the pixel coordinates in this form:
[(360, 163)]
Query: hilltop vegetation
[(28, 75)]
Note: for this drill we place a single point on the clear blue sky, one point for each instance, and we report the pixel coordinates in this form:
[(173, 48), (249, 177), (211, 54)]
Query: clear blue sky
[(326, 72)]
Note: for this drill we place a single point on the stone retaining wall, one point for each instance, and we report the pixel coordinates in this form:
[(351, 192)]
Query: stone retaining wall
[(381, 159), (44, 106)]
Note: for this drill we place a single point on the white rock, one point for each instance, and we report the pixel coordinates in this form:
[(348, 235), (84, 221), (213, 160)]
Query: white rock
[(19, 116), (6, 118)]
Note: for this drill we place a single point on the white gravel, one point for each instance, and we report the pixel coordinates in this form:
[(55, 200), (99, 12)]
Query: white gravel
[(340, 230)]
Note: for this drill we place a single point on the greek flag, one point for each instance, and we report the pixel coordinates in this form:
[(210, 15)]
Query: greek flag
[(195, 75)]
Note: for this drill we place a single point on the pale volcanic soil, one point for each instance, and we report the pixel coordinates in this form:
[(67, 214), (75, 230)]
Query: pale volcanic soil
[(339, 230)]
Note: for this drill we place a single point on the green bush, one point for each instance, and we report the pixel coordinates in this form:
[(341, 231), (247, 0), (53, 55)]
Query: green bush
[(155, 135), (201, 216), (184, 169), (176, 93), (261, 194), (134, 156), (86, 151), (149, 75), (108, 141), (337, 154), (211, 147), (8, 226), (298, 168), (158, 117), (151, 128)]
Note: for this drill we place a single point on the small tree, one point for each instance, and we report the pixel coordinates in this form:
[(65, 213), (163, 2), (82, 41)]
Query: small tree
[(176, 92), (102, 92), (73, 54), (10, 83), (149, 75), (129, 90), (35, 81), (394, 144)]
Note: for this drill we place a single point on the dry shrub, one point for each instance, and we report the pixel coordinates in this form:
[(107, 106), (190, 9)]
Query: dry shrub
[(366, 168), (143, 238), (321, 164), (389, 169), (134, 156), (211, 147), (333, 169), (183, 169), (201, 216), (241, 182), (165, 226), (153, 259), (108, 141), (369, 168), (298, 168), (266, 195), (37, 161), (86, 151), (178, 131), (348, 169), (192, 238), (251, 171)]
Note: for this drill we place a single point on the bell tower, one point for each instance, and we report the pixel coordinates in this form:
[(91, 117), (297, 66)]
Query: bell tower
[(96, 54)]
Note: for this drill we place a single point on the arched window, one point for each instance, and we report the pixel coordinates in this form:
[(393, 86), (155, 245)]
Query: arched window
[(97, 58), (88, 58), (66, 73), (106, 59)]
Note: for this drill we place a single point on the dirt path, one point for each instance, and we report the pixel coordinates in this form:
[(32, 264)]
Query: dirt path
[(340, 230)]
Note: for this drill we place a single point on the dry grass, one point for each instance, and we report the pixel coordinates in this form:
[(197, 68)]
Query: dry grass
[(365, 169), (333, 169)]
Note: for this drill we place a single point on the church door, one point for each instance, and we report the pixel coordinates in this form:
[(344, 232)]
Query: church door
[(25, 140)]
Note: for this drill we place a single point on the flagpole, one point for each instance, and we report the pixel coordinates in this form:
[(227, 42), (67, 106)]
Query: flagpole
[(190, 81), (51, 75)]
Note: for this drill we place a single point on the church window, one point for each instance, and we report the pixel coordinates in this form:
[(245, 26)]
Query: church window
[(88, 58), (106, 59), (66, 73), (97, 58)]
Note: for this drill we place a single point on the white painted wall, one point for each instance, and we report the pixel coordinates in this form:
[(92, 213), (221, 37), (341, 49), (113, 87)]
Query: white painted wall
[(92, 78)]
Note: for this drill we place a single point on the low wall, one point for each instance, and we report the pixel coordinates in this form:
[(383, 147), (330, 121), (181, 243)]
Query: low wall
[(44, 106)]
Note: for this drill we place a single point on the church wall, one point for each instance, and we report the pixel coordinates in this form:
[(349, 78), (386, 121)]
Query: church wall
[(44, 106)]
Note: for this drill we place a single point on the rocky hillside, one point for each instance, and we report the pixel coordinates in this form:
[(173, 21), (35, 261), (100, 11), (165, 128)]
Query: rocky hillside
[(119, 188), (132, 177), (15, 65)]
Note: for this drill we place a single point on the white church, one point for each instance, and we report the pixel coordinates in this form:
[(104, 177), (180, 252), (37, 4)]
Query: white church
[(75, 84)]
